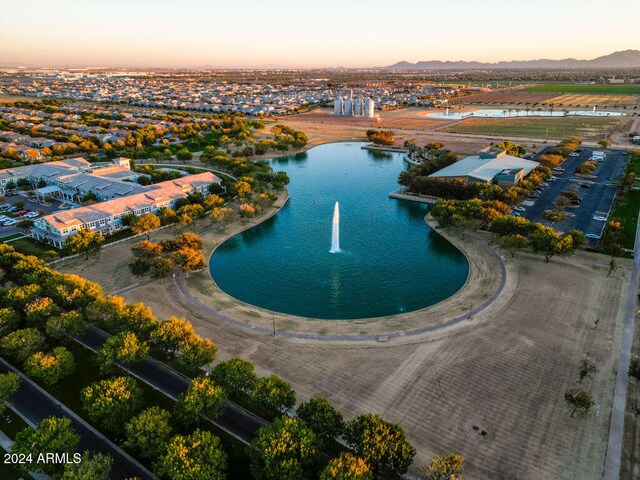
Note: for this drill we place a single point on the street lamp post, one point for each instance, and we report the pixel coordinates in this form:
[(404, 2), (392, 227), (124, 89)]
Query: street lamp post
[(274, 325), (470, 308)]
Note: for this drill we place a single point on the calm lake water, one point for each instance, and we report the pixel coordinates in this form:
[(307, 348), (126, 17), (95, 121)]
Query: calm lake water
[(390, 263)]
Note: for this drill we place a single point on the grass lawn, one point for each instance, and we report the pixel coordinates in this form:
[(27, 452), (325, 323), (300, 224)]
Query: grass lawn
[(10, 424), (625, 89), (28, 246), (553, 127), (626, 209)]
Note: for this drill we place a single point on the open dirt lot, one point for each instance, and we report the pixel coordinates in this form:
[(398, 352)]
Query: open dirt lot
[(504, 371)]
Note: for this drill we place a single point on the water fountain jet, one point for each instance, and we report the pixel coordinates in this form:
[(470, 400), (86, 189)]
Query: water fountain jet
[(335, 231)]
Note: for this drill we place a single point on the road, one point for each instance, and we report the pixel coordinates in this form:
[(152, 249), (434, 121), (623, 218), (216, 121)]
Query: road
[(236, 421), (616, 426), (33, 404)]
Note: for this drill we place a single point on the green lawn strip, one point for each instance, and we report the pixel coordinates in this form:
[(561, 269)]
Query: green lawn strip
[(10, 424), (538, 127), (624, 89), (29, 246), (11, 237), (626, 209)]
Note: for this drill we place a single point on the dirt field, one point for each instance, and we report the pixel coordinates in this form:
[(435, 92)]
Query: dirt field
[(587, 128), (504, 371)]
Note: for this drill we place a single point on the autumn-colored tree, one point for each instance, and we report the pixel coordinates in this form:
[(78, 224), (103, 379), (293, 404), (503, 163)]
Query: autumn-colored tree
[(172, 334), (39, 310), (50, 367), (321, 417), (112, 402), (445, 467), (198, 456), (124, 348), (223, 216), (382, 444), (145, 223), (554, 216), (605, 143), (347, 467), (286, 449), (148, 432), (247, 210), (213, 201), (203, 398), (84, 242), (92, 466), (274, 392), (188, 259), (52, 435), (9, 384), (243, 189), (235, 375)]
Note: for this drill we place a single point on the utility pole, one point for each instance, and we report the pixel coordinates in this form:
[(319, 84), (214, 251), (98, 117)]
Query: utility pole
[(274, 326)]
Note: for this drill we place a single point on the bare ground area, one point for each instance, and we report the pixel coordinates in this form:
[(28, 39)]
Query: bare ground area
[(504, 371)]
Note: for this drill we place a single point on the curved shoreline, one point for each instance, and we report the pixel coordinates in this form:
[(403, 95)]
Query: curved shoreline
[(202, 292)]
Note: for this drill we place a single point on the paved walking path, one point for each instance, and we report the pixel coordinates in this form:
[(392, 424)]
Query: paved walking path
[(236, 421), (34, 404), (616, 427)]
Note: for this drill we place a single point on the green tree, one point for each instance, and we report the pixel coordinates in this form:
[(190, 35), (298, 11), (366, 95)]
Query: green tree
[(52, 435), (9, 384), (579, 400), (554, 216), (347, 467), (445, 467), (184, 155), (382, 444), (203, 398), (627, 181), (286, 449), (50, 367), (223, 216), (145, 223), (578, 240), (84, 242), (110, 403), (65, 326), (513, 243), (124, 348), (161, 267), (613, 266), (321, 417), (548, 242), (9, 320), (198, 456), (39, 310), (92, 466), (22, 343), (634, 370), (235, 375), (148, 432), (273, 392)]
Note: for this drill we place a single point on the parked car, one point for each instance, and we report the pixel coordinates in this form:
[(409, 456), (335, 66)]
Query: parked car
[(558, 169), (592, 236), (514, 213), (9, 223), (574, 154), (574, 201), (544, 184), (520, 209), (10, 194), (585, 185), (600, 218)]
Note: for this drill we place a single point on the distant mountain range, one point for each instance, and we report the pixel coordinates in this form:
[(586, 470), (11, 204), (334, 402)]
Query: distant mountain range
[(624, 59)]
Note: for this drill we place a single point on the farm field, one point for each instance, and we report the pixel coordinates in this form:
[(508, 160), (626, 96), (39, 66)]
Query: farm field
[(557, 99), (552, 127), (628, 89)]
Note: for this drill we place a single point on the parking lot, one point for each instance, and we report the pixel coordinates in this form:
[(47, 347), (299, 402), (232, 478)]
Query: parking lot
[(30, 204), (596, 199)]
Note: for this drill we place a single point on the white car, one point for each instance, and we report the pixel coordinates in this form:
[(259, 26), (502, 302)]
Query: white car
[(600, 218), (519, 209), (592, 236), (544, 185), (558, 169), (9, 223), (574, 154)]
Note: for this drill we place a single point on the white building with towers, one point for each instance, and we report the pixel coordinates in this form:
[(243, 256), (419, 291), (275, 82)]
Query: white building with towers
[(347, 106)]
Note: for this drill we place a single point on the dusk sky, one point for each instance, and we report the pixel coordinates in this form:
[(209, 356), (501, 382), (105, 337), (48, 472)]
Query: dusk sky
[(294, 33)]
